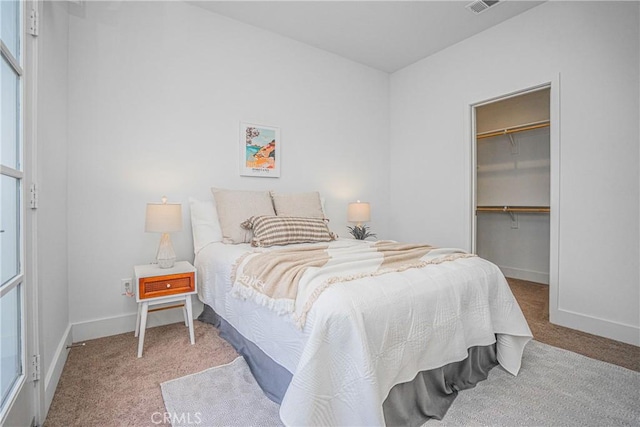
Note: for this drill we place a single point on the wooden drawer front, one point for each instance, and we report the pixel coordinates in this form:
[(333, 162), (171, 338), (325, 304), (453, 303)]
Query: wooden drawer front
[(153, 287)]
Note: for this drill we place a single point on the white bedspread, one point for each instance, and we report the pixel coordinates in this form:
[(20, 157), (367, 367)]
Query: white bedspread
[(363, 338)]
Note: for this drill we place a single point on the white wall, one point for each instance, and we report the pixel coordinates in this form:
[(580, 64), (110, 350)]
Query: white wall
[(592, 49), (515, 179), (521, 252), (156, 94), (51, 178)]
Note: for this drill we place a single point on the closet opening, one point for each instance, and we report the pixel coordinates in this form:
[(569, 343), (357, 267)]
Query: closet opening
[(512, 184)]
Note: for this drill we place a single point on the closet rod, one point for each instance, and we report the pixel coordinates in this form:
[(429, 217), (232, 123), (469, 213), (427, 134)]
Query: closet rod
[(515, 209), (514, 129)]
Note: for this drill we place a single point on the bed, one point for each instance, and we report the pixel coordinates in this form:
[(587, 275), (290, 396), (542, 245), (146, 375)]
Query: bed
[(391, 348)]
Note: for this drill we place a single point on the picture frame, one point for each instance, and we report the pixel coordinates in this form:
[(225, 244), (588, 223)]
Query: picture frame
[(260, 150)]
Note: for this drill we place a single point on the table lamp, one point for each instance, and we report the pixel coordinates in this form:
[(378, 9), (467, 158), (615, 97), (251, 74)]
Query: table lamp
[(164, 218), (359, 212)]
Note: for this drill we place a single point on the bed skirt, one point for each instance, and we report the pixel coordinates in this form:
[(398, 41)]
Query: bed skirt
[(428, 395)]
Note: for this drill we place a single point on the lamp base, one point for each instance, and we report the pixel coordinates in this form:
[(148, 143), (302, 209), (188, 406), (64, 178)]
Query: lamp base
[(166, 256), (166, 263)]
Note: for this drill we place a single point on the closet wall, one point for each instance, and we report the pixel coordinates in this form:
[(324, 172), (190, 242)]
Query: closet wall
[(512, 198)]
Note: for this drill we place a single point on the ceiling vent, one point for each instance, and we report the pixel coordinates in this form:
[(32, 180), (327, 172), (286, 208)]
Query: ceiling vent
[(480, 6)]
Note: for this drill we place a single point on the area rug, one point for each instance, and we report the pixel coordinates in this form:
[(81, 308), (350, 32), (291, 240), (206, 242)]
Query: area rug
[(555, 387), (225, 395)]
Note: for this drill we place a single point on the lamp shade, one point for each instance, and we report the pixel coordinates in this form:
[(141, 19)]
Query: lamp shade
[(359, 212), (163, 217)]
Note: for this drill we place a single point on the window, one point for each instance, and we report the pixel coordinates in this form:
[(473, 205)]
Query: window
[(11, 197)]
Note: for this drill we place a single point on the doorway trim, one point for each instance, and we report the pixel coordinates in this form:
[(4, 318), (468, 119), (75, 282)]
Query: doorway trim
[(554, 216)]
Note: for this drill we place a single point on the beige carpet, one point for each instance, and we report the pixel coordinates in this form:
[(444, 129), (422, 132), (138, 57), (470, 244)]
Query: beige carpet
[(105, 384), (534, 302)]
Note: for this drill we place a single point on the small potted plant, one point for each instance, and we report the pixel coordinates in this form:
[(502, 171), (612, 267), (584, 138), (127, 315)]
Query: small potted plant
[(360, 232)]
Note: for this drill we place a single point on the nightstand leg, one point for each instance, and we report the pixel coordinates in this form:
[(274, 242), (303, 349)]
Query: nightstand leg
[(138, 320), (184, 313), (187, 304), (143, 326)]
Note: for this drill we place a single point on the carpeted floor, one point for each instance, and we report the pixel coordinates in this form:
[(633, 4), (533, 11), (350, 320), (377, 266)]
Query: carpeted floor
[(534, 302), (105, 384)]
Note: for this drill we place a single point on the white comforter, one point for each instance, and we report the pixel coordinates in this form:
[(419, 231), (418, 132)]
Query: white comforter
[(363, 338)]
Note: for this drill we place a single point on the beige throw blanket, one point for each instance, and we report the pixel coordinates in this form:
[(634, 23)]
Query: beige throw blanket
[(290, 280)]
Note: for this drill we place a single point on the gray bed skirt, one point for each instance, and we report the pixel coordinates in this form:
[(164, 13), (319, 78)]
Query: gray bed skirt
[(428, 395)]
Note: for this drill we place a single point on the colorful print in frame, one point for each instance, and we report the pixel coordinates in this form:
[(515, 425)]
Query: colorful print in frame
[(260, 150)]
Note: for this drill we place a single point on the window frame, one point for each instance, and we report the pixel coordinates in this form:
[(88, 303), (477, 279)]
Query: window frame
[(17, 173)]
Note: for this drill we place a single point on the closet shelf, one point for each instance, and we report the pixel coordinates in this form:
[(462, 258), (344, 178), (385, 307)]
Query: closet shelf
[(514, 209), (514, 129)]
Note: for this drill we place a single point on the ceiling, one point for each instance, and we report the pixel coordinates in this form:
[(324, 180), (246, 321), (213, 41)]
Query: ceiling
[(386, 35)]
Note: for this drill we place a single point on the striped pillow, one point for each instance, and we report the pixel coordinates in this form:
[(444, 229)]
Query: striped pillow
[(285, 230)]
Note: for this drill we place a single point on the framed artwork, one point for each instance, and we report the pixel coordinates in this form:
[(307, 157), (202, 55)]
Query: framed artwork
[(260, 150)]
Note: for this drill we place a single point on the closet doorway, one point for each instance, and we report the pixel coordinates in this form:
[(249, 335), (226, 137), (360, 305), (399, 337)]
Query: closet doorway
[(512, 184)]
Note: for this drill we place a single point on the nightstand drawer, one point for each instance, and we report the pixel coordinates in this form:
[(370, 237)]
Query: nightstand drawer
[(158, 286)]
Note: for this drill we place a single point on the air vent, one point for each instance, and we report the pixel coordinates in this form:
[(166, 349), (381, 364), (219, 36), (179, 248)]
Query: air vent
[(480, 6)]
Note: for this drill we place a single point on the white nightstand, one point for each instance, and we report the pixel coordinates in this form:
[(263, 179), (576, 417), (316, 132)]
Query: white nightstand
[(155, 285)]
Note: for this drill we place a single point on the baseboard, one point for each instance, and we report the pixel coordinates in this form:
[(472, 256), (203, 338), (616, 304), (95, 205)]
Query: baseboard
[(522, 274), (605, 328), (54, 370), (105, 327)]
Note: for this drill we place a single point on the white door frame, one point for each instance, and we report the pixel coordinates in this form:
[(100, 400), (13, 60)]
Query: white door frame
[(31, 223), (554, 216)]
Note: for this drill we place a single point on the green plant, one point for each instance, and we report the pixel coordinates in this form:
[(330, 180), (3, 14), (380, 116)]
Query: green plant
[(360, 232)]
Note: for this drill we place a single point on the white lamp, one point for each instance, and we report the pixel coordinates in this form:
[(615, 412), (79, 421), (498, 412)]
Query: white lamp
[(164, 218), (359, 212)]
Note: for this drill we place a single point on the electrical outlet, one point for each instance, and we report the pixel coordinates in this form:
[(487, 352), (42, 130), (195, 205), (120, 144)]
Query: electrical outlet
[(126, 288)]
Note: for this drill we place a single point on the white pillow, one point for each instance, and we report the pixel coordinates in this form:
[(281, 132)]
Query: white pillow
[(204, 223)]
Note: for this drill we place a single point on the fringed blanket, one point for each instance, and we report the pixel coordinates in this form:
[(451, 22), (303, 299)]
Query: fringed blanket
[(290, 280)]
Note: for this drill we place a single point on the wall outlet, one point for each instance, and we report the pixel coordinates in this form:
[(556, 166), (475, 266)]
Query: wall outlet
[(126, 287)]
